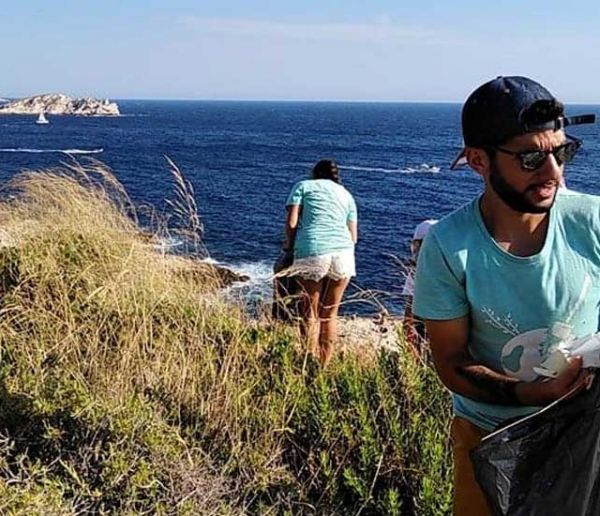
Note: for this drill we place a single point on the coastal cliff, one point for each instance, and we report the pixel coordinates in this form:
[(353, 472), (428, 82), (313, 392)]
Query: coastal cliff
[(59, 104)]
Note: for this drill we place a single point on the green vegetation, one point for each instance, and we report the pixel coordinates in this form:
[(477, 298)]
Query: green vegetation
[(129, 387)]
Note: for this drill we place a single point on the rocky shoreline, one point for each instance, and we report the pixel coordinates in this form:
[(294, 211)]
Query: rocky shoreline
[(59, 104), (194, 269)]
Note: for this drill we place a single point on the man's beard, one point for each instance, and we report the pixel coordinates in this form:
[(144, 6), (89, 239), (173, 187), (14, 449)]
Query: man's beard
[(514, 199)]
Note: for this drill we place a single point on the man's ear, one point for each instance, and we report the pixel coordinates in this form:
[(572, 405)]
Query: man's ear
[(478, 160)]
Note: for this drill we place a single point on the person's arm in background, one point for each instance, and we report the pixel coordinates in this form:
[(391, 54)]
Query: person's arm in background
[(352, 220), (462, 374), (408, 322), (294, 212), (353, 228), (291, 226)]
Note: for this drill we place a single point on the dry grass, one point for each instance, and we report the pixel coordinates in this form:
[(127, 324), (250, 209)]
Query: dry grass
[(129, 387)]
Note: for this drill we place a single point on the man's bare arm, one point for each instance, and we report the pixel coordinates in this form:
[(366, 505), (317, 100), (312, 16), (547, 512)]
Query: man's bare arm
[(463, 375)]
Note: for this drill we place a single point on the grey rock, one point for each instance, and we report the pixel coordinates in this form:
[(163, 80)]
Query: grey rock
[(59, 104)]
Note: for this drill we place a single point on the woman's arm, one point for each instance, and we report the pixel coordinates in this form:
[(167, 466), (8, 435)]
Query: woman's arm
[(353, 228), (291, 226)]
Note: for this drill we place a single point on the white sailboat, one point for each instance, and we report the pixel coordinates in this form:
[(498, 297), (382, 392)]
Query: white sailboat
[(42, 119)]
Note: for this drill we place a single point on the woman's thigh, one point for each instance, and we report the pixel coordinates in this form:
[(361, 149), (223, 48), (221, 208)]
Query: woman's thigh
[(311, 290), (331, 296)]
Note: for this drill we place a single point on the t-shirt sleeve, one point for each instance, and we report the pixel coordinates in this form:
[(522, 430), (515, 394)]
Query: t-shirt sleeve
[(439, 291), (352, 212), (296, 195)]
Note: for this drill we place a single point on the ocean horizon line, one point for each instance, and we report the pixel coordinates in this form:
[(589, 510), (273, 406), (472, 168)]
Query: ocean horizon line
[(275, 101)]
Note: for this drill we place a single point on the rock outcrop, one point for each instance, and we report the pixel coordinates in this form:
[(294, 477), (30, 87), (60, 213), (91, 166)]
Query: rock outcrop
[(58, 104), (204, 272)]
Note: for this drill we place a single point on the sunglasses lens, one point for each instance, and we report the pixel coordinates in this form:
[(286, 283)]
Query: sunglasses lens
[(533, 160), (566, 153), (562, 154)]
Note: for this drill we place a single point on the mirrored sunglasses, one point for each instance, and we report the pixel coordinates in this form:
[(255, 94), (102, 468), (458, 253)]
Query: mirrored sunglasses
[(534, 159)]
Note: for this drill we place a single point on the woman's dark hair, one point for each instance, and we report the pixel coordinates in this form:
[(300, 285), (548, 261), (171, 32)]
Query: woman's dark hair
[(326, 169)]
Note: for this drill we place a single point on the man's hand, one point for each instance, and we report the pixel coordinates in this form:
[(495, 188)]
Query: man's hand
[(544, 391), (461, 374)]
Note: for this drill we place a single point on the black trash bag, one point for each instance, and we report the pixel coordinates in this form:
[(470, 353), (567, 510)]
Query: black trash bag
[(546, 464), (286, 290)]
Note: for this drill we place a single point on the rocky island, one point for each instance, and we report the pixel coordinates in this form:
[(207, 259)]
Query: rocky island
[(59, 104)]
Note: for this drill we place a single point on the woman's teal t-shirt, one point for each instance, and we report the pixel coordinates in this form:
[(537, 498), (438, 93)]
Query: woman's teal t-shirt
[(327, 207)]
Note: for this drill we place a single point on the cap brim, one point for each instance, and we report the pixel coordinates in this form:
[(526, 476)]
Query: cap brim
[(459, 161)]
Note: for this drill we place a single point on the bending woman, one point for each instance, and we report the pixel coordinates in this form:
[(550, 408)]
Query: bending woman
[(321, 227)]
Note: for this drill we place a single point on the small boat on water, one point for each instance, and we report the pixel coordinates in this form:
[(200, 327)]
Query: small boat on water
[(42, 119)]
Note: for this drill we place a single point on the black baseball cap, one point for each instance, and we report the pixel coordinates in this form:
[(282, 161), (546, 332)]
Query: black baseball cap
[(507, 107)]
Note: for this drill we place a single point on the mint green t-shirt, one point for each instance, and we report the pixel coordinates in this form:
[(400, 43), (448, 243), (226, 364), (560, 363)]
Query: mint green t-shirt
[(327, 207), (512, 301)]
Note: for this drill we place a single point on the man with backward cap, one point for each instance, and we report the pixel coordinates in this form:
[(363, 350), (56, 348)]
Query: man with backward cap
[(504, 278)]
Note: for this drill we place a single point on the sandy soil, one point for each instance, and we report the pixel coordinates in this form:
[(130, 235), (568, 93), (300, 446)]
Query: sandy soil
[(369, 332)]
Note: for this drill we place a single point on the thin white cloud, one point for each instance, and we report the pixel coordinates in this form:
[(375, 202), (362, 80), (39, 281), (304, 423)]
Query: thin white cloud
[(381, 30)]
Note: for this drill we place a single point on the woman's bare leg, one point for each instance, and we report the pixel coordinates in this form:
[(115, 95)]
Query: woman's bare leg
[(331, 297), (311, 296)]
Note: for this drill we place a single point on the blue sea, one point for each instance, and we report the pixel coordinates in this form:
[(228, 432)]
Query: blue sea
[(242, 158)]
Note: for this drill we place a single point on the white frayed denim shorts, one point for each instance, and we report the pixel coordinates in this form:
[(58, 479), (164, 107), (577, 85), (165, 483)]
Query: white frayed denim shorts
[(337, 266)]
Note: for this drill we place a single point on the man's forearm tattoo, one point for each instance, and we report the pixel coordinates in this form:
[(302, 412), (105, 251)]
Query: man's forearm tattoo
[(500, 389)]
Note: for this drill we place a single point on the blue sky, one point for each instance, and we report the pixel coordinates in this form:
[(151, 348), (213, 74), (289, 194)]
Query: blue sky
[(397, 50)]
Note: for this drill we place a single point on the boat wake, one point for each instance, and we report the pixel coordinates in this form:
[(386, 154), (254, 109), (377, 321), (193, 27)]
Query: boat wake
[(61, 151), (419, 169)]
